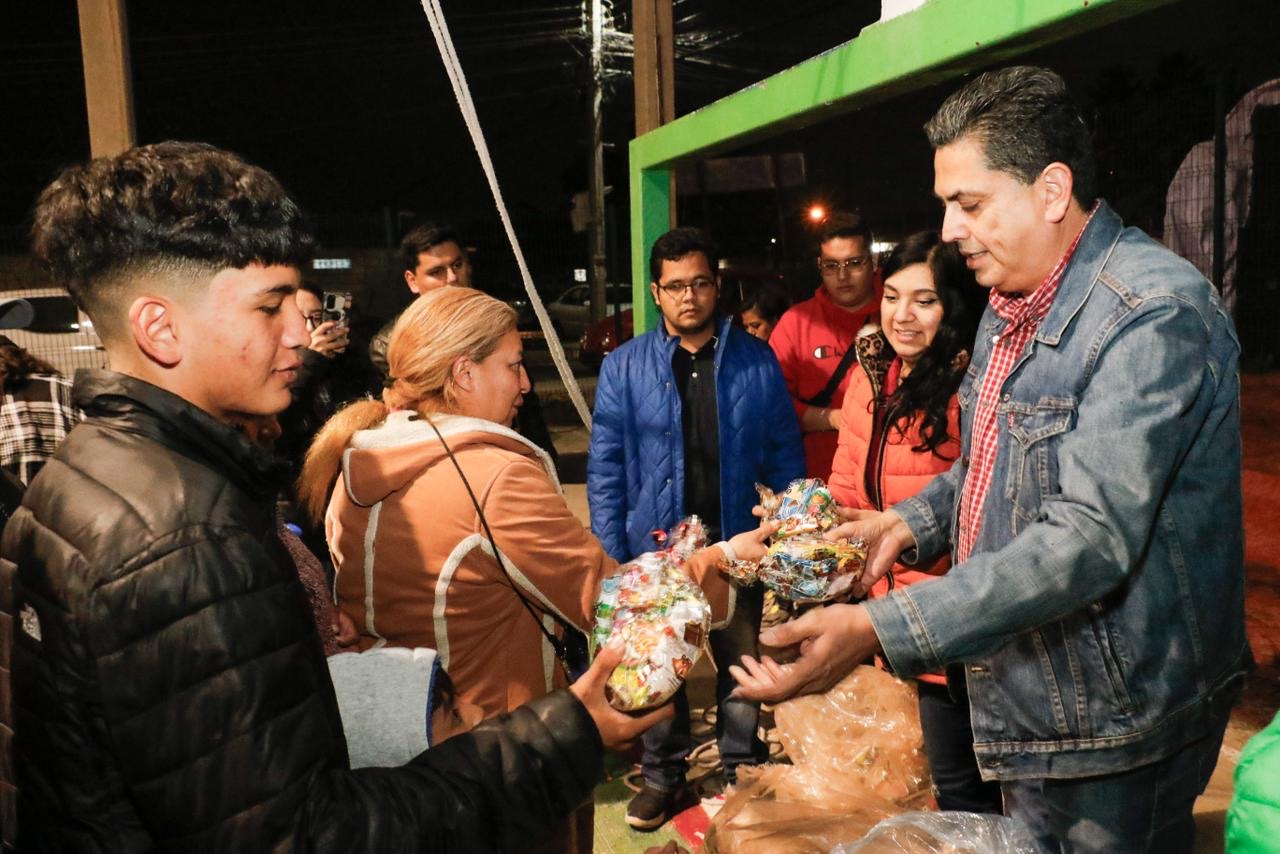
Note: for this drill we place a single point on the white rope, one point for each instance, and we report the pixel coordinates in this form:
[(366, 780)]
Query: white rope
[(435, 15)]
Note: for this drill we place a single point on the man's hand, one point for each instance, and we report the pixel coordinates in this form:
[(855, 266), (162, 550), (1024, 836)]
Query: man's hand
[(329, 339), (750, 545), (821, 419), (617, 729), (833, 640), (886, 536)]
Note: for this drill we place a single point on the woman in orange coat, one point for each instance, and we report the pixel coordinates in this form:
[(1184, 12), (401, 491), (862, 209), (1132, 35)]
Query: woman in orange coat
[(415, 563), (901, 429)]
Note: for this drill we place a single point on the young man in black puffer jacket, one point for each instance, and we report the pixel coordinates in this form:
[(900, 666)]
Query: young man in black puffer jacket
[(169, 689)]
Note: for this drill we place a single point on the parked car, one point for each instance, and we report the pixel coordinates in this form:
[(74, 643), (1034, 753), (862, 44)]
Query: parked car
[(602, 338), (59, 333), (571, 311)]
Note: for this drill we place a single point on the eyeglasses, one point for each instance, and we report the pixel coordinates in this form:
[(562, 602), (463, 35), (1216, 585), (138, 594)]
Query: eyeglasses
[(314, 318), (699, 286), (848, 265)]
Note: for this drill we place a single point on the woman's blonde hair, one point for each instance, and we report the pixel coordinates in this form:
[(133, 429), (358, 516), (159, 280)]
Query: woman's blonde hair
[(439, 328)]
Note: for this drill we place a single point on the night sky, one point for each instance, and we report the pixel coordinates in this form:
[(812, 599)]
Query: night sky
[(348, 103)]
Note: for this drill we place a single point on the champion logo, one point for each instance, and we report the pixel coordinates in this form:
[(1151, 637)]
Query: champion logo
[(30, 622)]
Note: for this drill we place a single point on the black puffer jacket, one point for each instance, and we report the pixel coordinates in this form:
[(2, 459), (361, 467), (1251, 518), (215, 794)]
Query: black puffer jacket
[(169, 687)]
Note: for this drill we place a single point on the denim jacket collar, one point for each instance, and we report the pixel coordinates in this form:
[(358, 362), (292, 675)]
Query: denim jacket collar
[(1091, 255)]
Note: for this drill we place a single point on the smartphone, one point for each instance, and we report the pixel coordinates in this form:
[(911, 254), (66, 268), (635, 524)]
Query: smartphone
[(337, 305)]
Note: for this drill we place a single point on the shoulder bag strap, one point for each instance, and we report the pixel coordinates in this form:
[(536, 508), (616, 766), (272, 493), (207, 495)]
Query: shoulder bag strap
[(556, 644), (823, 398)]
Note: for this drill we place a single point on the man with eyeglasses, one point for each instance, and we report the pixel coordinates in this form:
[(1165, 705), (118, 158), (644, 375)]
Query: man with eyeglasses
[(688, 418), (814, 339)]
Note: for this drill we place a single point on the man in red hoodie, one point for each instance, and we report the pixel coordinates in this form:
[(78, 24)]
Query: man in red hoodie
[(812, 339)]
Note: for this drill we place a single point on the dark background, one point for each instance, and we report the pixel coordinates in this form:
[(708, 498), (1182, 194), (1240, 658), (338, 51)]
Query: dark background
[(348, 103)]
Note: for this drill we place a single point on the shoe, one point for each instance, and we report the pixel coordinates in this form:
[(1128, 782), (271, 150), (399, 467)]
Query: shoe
[(650, 807)]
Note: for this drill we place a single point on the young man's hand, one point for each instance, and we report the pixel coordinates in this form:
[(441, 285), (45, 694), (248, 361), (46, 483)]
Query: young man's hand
[(886, 536), (833, 640), (617, 729)]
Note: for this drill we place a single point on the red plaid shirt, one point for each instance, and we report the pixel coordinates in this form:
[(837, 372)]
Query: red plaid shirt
[(1024, 315)]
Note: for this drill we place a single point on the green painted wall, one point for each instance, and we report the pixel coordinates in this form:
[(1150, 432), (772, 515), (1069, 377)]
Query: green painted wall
[(941, 40)]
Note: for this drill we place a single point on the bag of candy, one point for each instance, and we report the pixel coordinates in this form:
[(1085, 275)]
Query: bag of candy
[(661, 615), (802, 566), (811, 569)]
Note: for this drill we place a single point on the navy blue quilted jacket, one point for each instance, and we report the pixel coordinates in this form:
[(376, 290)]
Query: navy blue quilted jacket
[(635, 471)]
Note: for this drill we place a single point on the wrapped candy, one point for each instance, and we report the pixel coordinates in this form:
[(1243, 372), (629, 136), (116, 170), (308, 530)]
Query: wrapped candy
[(662, 617), (809, 569), (801, 565), (804, 507)]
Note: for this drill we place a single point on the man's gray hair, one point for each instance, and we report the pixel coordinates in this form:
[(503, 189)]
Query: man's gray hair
[(1024, 118)]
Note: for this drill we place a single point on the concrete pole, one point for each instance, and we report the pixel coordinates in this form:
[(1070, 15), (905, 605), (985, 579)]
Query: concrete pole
[(108, 87)]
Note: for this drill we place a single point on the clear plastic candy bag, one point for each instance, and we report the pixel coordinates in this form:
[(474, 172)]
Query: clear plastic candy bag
[(661, 615), (858, 758), (802, 566), (943, 833)]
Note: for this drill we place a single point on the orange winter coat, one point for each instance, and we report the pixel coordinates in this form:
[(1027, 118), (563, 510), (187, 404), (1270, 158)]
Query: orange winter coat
[(903, 471), (414, 567)]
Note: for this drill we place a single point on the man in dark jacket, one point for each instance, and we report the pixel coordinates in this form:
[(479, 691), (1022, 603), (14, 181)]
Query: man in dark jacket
[(169, 689), (688, 418), (433, 257)]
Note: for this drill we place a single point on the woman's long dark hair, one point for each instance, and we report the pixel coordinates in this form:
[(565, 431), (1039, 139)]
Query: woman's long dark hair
[(768, 300), (925, 393)]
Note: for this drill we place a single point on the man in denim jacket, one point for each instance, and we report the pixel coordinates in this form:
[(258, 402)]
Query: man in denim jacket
[(1097, 601)]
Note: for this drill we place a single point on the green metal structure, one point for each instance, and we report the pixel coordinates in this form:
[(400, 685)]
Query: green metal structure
[(940, 40)]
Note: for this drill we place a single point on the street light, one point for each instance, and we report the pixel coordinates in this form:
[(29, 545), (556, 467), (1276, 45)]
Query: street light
[(817, 213)]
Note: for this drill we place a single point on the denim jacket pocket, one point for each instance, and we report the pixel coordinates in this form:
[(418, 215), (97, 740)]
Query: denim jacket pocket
[(1036, 430)]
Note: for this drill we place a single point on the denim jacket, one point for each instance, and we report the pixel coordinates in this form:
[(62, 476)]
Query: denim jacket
[(1101, 614)]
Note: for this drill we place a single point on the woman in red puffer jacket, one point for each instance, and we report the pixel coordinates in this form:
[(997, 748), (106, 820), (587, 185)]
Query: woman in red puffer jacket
[(901, 429)]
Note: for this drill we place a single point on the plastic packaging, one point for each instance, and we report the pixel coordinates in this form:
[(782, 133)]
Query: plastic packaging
[(661, 615), (858, 758), (943, 833), (802, 566)]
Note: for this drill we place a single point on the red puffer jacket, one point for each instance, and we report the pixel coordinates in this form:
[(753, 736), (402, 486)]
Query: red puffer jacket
[(903, 471)]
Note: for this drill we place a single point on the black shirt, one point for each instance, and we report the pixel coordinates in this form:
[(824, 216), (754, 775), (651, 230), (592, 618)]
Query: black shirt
[(699, 421)]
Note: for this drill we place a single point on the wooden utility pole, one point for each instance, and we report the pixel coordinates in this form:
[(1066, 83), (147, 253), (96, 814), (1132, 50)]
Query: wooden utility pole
[(654, 58), (654, 72), (108, 86), (595, 189)]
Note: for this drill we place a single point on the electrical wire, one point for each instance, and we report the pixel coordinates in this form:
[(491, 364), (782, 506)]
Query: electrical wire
[(457, 78)]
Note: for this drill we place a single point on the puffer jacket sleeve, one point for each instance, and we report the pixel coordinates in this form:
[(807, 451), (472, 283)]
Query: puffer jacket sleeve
[(218, 672), (496, 788), (606, 459), (784, 458), (784, 341)]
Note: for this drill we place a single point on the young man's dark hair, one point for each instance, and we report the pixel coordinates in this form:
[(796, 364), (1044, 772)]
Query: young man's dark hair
[(844, 224), (676, 244), (181, 208), (1025, 118), (422, 238), (169, 686)]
